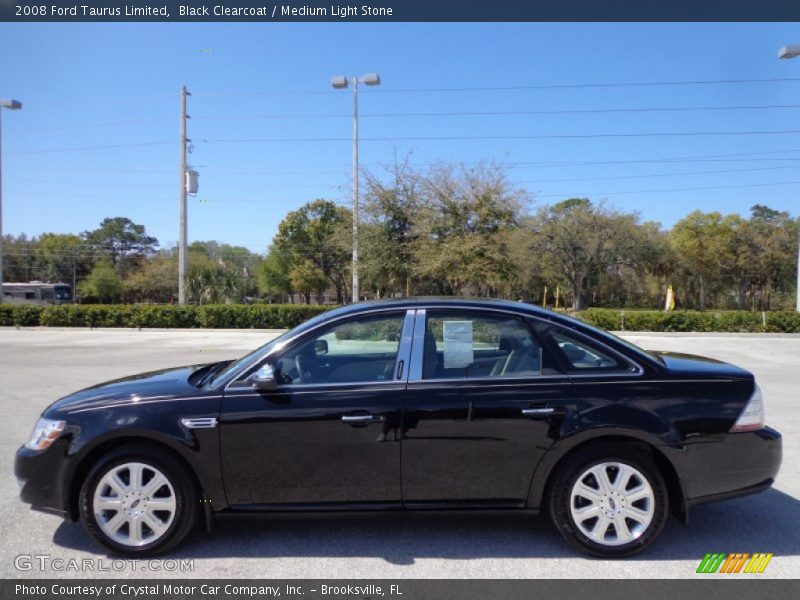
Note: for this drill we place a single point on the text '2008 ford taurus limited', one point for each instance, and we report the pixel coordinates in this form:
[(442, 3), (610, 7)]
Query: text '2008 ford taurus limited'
[(409, 404)]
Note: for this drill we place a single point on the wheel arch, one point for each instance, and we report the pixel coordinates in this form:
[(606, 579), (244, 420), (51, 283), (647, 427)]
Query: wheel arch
[(92, 455), (556, 457)]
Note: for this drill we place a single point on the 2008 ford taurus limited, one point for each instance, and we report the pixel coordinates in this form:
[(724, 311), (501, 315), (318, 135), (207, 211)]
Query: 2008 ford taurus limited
[(409, 404)]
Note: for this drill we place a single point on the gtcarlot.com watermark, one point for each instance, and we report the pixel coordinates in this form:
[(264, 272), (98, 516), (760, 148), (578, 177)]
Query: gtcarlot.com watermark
[(56, 564)]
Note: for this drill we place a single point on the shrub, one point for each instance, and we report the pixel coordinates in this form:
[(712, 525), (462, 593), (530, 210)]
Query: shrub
[(21, 315), (682, 321), (286, 316)]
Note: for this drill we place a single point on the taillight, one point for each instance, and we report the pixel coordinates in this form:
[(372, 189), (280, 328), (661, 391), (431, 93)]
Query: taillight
[(753, 415)]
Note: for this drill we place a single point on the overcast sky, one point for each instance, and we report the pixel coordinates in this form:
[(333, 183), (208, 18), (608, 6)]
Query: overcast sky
[(98, 133)]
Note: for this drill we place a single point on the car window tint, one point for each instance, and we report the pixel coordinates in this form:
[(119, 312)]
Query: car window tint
[(356, 351), (463, 344), (584, 356)]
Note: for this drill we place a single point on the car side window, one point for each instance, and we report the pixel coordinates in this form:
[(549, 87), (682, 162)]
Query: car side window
[(581, 355), (357, 351), (463, 344)]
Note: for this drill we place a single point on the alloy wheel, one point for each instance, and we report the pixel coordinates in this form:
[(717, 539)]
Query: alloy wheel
[(134, 504), (612, 503)]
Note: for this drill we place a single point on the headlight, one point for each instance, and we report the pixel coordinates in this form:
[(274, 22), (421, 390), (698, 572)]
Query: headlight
[(45, 433), (753, 415)]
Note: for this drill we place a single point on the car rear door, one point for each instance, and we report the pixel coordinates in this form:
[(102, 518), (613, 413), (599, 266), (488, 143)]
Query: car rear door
[(483, 404)]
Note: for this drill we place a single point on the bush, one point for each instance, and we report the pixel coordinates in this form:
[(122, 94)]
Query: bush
[(286, 316), (214, 316), (21, 315), (683, 321)]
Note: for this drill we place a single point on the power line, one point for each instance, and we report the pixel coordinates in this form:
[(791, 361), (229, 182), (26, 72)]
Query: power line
[(75, 148), (507, 137), (650, 175), (332, 186), (688, 189), (85, 125), (506, 88), (498, 112)]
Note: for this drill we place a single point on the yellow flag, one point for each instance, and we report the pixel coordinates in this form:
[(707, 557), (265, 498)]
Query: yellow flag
[(670, 303)]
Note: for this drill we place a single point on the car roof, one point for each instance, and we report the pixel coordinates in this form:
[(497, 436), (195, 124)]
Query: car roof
[(454, 301)]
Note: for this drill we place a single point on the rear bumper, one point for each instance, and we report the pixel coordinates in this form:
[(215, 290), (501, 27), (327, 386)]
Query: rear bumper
[(738, 465)]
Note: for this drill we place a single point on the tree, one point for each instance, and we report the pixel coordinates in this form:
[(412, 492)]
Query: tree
[(581, 239), (210, 283), (314, 233), (307, 278), (103, 283), (274, 275), (387, 233), (156, 280), (459, 247), (124, 243), (705, 242), (62, 257)]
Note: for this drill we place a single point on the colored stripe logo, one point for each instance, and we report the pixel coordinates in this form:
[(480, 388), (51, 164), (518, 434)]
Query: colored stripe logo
[(738, 562)]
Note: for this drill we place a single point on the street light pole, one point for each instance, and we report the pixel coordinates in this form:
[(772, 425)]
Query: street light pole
[(793, 51), (11, 105), (341, 82), (356, 296)]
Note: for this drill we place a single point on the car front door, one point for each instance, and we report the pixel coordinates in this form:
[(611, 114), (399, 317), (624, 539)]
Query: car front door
[(328, 434), (484, 402)]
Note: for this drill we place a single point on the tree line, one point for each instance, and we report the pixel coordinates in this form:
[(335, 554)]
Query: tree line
[(444, 230)]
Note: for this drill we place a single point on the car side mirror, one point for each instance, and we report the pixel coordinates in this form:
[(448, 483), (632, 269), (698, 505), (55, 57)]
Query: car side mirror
[(321, 347), (265, 379)]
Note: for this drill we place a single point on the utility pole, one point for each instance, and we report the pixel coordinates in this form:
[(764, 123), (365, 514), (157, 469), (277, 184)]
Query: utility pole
[(182, 255)]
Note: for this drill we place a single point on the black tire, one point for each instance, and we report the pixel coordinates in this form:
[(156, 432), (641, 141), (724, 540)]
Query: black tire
[(187, 498), (560, 493)]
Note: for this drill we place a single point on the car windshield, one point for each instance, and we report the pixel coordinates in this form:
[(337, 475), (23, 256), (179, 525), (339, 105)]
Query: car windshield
[(247, 358)]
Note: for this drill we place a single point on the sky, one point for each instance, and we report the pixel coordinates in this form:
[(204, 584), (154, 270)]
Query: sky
[(98, 134)]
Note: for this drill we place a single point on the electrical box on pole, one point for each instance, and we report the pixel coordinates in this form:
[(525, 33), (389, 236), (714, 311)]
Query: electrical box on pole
[(192, 181)]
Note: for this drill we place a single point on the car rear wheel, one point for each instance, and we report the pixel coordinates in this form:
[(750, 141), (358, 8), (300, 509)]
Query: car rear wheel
[(609, 501), (137, 501)]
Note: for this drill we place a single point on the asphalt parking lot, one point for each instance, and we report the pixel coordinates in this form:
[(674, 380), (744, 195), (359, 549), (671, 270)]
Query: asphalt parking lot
[(38, 366)]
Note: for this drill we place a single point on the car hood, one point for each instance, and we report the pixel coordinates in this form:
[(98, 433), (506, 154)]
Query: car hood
[(164, 384), (690, 365)]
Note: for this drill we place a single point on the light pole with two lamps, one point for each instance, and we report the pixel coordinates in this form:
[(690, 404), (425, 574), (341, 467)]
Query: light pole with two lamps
[(10, 105), (793, 51), (341, 82)]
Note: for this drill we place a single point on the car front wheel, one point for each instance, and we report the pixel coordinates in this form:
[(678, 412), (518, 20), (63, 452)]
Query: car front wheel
[(609, 501), (138, 501)]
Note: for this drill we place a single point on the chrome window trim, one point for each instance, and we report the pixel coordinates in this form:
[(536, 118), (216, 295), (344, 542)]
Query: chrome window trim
[(247, 369), (315, 387), (404, 349), (575, 373), (415, 375), (496, 381), (418, 346)]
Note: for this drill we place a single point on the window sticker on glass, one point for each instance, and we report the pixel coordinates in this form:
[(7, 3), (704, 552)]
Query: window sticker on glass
[(458, 350)]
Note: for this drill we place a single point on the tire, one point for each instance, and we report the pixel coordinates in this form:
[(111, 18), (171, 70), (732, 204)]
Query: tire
[(138, 520), (613, 516)]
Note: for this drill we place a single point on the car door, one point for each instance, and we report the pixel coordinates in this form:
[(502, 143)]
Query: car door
[(327, 434), (483, 403)]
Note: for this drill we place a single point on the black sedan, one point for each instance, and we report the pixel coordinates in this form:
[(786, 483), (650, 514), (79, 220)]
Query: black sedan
[(409, 404)]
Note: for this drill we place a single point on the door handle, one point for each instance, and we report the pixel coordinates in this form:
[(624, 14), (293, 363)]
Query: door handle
[(535, 412), (357, 419)]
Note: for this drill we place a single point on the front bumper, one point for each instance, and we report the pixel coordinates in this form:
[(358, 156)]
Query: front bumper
[(738, 465), (42, 478)]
